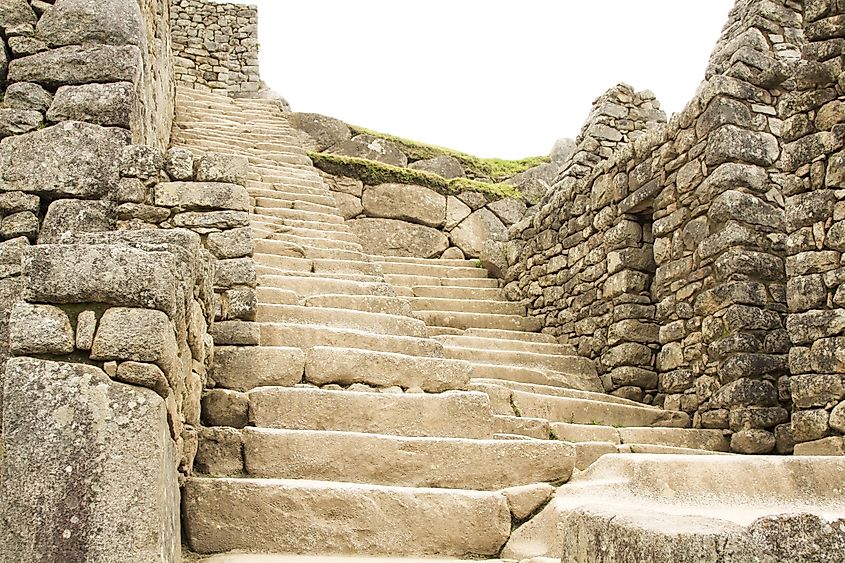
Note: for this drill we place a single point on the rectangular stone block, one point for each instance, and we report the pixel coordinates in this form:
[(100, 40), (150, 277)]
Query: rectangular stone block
[(202, 195)]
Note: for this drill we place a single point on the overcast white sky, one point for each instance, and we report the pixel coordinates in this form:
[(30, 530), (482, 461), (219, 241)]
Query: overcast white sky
[(490, 77)]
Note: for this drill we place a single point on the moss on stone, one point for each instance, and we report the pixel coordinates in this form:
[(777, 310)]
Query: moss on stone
[(496, 169), (375, 173)]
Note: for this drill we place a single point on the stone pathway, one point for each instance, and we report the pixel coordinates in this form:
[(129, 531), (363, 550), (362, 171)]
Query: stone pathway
[(395, 407)]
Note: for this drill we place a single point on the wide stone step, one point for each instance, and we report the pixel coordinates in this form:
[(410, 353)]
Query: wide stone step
[(512, 335), (465, 293), (245, 368), (317, 266), (301, 250), (301, 215), (426, 261), (555, 391), (537, 428), (431, 270), (575, 379), (507, 345), (321, 517), (450, 463), (689, 438), (308, 286), (370, 303), (268, 190), (346, 366), (263, 270), (478, 320), (664, 505), (455, 414), (377, 323), (264, 201), (583, 411), (323, 243), (553, 362), (305, 229), (467, 306), (266, 558), (308, 336), (412, 281)]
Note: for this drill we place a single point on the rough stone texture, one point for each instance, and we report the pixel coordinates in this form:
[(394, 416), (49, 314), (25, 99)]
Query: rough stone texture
[(445, 166), (27, 96), (471, 234), (17, 121), (70, 159), (68, 433), (103, 104), (202, 195), (108, 22), (140, 335), (40, 329), (68, 216), (212, 167), (320, 132), (415, 204), (78, 64), (397, 238), (371, 148)]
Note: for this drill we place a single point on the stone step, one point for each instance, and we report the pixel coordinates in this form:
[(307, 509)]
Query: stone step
[(512, 335), (431, 270), (664, 505), (688, 438), (346, 366), (305, 241), (307, 336), (268, 190), (276, 296), (264, 270), (223, 514), (376, 323), (537, 428), (467, 306), (263, 201), (455, 414), (556, 391), (478, 320), (452, 292), (306, 286), (553, 362), (508, 345), (371, 303), (426, 261), (584, 411), (241, 368), (537, 376), (301, 215), (449, 463), (301, 250), (306, 229), (317, 266), (268, 558), (411, 281)]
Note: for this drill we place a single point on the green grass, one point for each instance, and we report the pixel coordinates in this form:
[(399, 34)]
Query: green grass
[(375, 173), (496, 169)]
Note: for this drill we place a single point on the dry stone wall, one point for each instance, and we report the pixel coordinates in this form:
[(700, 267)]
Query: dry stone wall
[(216, 47), (665, 261)]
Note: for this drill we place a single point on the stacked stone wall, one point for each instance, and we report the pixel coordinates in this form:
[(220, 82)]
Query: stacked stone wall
[(665, 262), (215, 47)]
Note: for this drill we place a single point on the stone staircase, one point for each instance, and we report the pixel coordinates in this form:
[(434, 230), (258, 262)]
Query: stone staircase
[(395, 406)]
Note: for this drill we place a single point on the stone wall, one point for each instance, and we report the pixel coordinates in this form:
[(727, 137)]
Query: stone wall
[(215, 47), (664, 261), (813, 162)]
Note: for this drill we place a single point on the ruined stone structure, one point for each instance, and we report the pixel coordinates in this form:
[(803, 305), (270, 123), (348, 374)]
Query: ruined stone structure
[(211, 342)]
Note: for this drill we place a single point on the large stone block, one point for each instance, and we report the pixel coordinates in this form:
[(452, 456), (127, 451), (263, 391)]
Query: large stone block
[(100, 274), (19, 121), (104, 104), (732, 144), (405, 202), (89, 468), (16, 13), (140, 335), (398, 238), (78, 64), (475, 230), (110, 22), (70, 159), (39, 329), (371, 148), (67, 217), (202, 195)]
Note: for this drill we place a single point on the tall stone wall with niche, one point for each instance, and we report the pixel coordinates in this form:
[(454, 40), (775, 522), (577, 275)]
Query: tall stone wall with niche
[(813, 162), (665, 262), (215, 47), (117, 257)]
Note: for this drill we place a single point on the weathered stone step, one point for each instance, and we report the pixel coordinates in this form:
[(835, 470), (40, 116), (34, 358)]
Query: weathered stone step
[(426, 261), (223, 514), (467, 306), (263, 200), (450, 463), (303, 216), (244, 368), (555, 391), (263, 270), (296, 250), (512, 335), (317, 266), (622, 502), (482, 343), (307, 336), (277, 296), (305, 241), (536, 376), (455, 414), (377, 323), (587, 453), (411, 281), (537, 428), (307, 229), (689, 438), (308, 286), (262, 558), (478, 320), (431, 270), (452, 292), (268, 190), (553, 362), (583, 411), (371, 303), (305, 181), (346, 366)]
